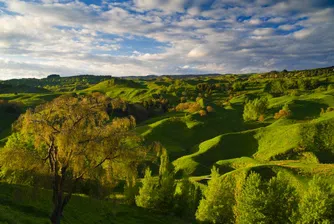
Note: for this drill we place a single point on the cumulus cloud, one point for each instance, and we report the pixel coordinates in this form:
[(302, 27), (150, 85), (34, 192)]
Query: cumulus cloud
[(140, 37)]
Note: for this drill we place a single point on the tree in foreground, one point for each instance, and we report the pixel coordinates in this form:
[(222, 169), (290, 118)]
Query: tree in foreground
[(158, 193), (265, 202), (187, 199), (218, 200), (317, 202), (73, 138)]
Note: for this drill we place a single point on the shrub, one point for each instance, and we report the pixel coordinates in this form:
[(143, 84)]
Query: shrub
[(261, 118), (238, 86), (210, 109), (295, 92), (200, 101), (329, 109), (253, 109), (189, 107), (330, 87), (284, 112), (183, 99), (276, 88), (194, 107), (202, 113)]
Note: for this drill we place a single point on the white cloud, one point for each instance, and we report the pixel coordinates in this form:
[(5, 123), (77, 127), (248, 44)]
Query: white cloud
[(198, 52), (72, 38), (263, 31), (302, 33)]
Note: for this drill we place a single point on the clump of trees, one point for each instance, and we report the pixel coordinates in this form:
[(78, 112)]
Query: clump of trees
[(254, 108), (238, 86), (280, 86), (161, 193), (317, 202), (229, 199), (190, 107), (265, 202)]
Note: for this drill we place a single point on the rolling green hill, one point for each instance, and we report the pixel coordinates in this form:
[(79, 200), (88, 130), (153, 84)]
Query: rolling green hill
[(200, 122)]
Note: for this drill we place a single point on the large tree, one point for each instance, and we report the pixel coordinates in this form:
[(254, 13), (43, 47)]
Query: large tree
[(74, 138)]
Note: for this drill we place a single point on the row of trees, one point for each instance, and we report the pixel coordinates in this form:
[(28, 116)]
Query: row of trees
[(236, 199), (279, 87), (256, 200)]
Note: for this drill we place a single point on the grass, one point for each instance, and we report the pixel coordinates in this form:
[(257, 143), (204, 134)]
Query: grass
[(299, 146), (22, 204)]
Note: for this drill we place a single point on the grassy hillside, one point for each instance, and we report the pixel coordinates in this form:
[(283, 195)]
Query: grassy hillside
[(22, 204), (200, 122)]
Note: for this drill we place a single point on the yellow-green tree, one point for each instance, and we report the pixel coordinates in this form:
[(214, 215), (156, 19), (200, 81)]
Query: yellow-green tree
[(74, 139)]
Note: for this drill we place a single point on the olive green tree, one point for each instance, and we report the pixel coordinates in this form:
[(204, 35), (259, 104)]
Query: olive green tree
[(74, 138)]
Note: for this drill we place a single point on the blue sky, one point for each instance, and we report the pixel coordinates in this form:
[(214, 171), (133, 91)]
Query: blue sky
[(141, 37)]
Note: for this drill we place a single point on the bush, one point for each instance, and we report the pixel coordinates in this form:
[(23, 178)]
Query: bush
[(189, 107), (330, 87), (317, 203), (238, 86), (276, 88), (295, 92), (202, 113), (210, 109), (253, 109), (284, 112), (261, 118)]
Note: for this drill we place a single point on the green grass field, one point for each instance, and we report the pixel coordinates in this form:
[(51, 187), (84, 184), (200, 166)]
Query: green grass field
[(300, 145)]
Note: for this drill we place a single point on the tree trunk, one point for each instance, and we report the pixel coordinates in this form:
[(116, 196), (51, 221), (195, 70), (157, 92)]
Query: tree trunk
[(57, 199), (56, 215), (58, 195)]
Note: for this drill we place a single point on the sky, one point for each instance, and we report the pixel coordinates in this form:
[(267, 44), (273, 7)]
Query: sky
[(145, 37)]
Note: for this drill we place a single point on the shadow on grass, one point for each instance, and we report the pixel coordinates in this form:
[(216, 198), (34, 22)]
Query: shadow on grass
[(28, 209), (302, 109)]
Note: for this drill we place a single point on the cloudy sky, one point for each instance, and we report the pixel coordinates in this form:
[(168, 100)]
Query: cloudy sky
[(140, 37)]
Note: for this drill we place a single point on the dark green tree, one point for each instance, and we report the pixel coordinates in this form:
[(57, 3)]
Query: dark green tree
[(217, 202)]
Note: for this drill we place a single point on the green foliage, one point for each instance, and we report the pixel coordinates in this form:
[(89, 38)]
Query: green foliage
[(330, 87), (317, 202), (265, 202), (187, 199), (216, 205), (146, 197), (73, 138), (276, 88), (238, 86), (158, 195), (253, 109)]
